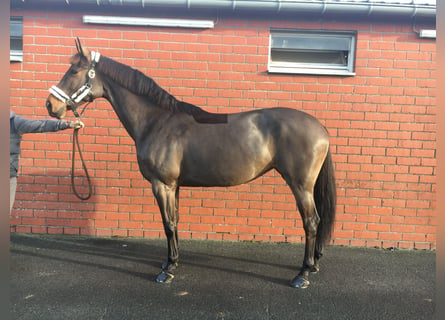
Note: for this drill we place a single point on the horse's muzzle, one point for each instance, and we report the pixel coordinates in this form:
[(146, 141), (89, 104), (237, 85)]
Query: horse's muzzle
[(53, 114)]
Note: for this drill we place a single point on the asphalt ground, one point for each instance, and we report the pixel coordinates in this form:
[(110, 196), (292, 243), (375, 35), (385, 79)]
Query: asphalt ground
[(71, 277)]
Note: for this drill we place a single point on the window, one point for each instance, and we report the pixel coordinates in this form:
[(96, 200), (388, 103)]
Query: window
[(16, 39), (312, 52)]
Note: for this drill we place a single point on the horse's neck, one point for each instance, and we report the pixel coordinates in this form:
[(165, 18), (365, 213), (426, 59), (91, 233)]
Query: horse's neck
[(134, 112)]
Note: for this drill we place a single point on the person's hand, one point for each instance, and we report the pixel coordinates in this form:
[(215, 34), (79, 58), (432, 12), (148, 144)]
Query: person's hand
[(76, 124)]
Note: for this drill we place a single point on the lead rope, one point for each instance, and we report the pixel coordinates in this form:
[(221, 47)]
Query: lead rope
[(76, 142)]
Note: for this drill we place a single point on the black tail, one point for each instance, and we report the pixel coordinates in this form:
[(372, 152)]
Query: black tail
[(325, 196)]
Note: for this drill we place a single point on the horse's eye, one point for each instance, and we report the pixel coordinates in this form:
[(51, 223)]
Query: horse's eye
[(74, 71)]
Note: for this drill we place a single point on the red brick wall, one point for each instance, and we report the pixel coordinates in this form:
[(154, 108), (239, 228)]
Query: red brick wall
[(382, 123)]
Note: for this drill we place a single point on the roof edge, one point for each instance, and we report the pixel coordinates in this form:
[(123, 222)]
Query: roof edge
[(321, 7)]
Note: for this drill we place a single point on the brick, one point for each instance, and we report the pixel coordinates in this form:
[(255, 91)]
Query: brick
[(381, 45), (406, 46), (355, 226), (379, 228), (247, 229), (365, 235), (224, 229), (274, 231)]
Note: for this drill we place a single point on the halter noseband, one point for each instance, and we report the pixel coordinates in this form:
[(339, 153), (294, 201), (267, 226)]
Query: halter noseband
[(83, 91)]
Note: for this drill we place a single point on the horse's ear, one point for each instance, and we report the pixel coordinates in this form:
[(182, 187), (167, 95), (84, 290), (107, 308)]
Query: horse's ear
[(78, 45), (82, 51)]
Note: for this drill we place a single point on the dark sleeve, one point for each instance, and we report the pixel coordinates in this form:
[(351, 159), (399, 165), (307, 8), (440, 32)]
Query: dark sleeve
[(24, 125)]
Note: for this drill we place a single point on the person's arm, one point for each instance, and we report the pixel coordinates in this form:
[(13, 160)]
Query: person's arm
[(24, 125)]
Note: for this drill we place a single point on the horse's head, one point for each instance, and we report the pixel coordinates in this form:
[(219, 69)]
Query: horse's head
[(78, 85)]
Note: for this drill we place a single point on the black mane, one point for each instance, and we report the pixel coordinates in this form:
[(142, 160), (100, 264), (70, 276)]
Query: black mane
[(140, 84)]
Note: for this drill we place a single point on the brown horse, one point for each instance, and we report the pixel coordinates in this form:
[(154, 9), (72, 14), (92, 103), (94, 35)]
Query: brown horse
[(179, 144)]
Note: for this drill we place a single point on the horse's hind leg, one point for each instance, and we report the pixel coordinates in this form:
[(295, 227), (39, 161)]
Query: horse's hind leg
[(309, 215), (318, 252), (168, 202)]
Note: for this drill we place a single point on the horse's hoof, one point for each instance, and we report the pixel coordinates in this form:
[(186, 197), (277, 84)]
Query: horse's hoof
[(164, 277), (299, 282)]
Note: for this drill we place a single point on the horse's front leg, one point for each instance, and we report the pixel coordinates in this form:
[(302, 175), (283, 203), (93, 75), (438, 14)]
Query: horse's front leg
[(168, 202)]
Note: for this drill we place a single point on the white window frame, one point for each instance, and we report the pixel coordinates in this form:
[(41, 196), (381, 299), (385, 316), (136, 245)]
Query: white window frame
[(16, 33), (340, 43)]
